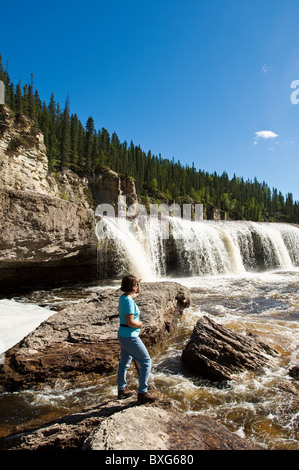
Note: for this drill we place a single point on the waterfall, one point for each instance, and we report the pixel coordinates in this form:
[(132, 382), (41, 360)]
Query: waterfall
[(151, 250), (121, 250)]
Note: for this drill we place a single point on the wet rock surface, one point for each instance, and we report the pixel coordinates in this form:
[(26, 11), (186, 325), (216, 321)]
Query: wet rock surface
[(216, 353), (82, 338), (127, 425)]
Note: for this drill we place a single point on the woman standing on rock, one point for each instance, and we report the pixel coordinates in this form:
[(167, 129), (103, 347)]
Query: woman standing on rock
[(131, 346)]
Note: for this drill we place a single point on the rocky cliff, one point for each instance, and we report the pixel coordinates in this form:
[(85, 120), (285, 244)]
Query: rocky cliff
[(46, 225), (46, 220)]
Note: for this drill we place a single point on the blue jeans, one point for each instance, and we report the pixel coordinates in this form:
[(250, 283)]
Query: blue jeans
[(133, 347)]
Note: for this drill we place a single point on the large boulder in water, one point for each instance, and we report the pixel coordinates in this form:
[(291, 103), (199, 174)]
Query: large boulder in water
[(216, 352), (82, 338)]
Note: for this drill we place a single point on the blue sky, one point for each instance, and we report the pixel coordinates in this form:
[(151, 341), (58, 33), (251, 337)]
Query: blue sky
[(207, 82)]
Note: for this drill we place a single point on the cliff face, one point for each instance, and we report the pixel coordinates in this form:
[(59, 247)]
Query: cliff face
[(46, 224), (43, 239), (47, 220), (107, 186), (23, 159)]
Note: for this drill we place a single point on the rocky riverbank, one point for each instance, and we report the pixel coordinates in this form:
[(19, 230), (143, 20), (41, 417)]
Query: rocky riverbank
[(82, 338), (127, 425)]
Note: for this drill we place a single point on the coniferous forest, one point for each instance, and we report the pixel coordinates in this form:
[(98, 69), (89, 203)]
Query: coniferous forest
[(87, 150)]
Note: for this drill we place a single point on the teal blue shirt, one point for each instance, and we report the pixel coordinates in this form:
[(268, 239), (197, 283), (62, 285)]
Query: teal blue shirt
[(127, 306)]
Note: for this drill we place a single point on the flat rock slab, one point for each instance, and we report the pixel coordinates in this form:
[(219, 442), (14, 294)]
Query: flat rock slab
[(153, 428), (216, 353), (127, 425), (82, 338)]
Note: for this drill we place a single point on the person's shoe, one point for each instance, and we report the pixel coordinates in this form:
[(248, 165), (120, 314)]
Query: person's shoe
[(147, 397), (125, 393)]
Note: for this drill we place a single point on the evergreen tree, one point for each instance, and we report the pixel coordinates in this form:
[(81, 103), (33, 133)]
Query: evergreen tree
[(85, 150), (31, 101), (19, 99), (89, 144), (74, 131), (104, 146), (1, 69), (44, 123), (53, 141), (65, 141)]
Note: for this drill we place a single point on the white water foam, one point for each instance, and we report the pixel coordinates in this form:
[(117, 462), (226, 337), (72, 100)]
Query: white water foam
[(198, 248), (17, 320)]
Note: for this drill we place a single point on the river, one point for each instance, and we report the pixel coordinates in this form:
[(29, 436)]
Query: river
[(260, 406)]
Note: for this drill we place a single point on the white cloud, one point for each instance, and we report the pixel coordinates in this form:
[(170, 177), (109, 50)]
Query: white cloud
[(266, 135)]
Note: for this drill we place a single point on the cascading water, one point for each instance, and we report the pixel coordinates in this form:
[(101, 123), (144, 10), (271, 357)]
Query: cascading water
[(221, 263), (153, 249), (121, 250)]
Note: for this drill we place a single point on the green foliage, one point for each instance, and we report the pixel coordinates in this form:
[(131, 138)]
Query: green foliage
[(64, 196), (89, 197), (87, 151), (17, 142)]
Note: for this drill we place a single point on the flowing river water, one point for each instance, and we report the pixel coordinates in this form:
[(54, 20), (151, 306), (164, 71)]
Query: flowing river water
[(231, 287)]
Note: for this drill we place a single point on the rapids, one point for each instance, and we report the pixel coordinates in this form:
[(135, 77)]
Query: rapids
[(244, 275)]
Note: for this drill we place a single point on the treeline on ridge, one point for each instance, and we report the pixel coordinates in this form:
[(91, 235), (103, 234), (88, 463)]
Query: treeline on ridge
[(86, 151)]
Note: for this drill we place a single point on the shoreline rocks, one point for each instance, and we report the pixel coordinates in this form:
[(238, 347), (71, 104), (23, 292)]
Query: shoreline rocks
[(216, 353), (82, 338), (128, 425)]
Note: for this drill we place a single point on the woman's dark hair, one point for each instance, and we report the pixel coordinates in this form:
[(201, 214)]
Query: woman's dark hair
[(128, 282)]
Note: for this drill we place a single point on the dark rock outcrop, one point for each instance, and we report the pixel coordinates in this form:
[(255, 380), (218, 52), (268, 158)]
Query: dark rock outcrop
[(127, 425), (107, 186), (294, 372), (43, 240), (216, 352), (82, 338)]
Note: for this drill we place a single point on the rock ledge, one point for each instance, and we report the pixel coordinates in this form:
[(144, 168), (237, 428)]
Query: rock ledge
[(82, 338), (127, 425)]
